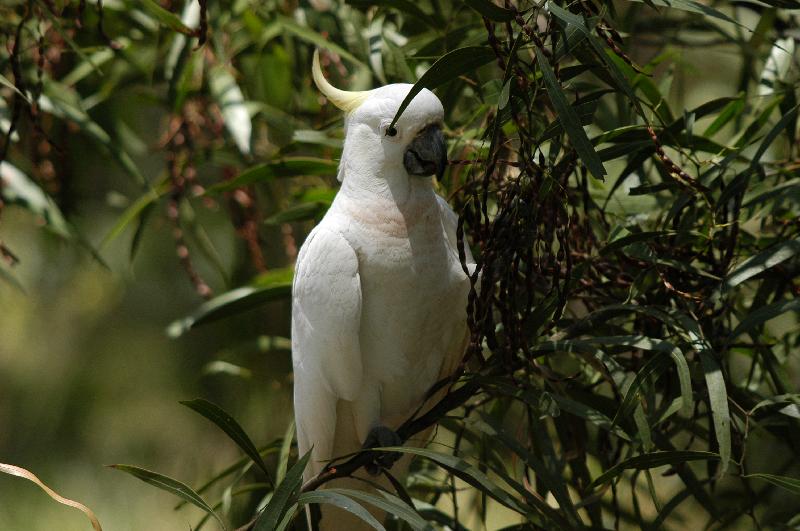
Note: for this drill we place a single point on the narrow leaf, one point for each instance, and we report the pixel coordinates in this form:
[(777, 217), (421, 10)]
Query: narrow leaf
[(448, 67), (283, 497), (784, 482), (30, 476), (286, 449), (569, 119), (17, 188), (762, 261), (274, 285), (389, 503), (316, 39), (718, 399), (466, 472), (230, 99), (693, 7), (164, 17), (228, 424), (764, 314), (343, 502), (269, 171), (652, 460), (173, 486), (786, 119)]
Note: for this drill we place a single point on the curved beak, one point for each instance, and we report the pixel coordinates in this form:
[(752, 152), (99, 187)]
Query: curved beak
[(427, 153)]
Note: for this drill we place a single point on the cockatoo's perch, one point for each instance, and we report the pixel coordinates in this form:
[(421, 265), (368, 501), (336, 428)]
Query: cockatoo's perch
[(379, 296)]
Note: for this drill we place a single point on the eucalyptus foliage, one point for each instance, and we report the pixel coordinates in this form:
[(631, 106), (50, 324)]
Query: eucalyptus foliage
[(635, 217)]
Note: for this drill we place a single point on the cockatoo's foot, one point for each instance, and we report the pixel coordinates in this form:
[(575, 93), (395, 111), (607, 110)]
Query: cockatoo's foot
[(379, 437)]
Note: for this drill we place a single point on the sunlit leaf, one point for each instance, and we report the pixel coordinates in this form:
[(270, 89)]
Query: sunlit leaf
[(17, 189), (231, 101), (764, 260), (26, 474), (342, 501)]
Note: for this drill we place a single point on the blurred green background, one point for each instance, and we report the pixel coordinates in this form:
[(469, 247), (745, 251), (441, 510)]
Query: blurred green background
[(88, 376)]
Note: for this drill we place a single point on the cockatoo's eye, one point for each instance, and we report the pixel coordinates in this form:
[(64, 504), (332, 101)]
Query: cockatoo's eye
[(387, 129)]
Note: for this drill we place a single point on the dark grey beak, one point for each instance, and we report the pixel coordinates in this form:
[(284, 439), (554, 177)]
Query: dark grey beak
[(427, 153)]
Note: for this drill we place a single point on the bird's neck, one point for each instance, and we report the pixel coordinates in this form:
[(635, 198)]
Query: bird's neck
[(384, 182)]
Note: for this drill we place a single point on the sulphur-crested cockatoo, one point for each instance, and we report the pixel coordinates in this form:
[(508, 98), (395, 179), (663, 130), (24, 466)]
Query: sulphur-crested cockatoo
[(379, 295)]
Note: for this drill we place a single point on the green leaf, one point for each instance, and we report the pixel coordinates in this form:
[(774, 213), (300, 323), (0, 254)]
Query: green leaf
[(784, 482), (651, 460), (335, 497), (228, 424), (490, 10), (389, 503), (276, 284), (786, 120), (693, 7), (286, 450), (269, 171), (728, 113), (301, 212), (283, 497), (762, 261), (316, 39), (238, 466), (288, 518), (170, 485), (135, 210), (636, 237), (505, 94), (466, 472), (553, 482), (448, 67), (63, 102), (654, 366), (9, 84), (569, 18), (718, 399), (791, 409), (762, 315), (230, 99), (164, 17), (569, 119), (16, 188)]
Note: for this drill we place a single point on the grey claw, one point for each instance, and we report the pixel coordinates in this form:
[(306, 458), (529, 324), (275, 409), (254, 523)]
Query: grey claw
[(378, 437)]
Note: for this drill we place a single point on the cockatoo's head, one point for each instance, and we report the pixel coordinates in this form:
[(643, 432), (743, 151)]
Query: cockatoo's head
[(415, 143)]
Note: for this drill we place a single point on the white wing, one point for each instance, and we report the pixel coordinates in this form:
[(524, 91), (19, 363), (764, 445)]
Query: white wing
[(326, 318)]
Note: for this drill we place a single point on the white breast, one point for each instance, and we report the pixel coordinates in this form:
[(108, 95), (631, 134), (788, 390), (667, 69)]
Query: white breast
[(414, 295)]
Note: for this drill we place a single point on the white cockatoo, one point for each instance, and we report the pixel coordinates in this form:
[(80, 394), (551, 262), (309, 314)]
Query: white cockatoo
[(379, 295)]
